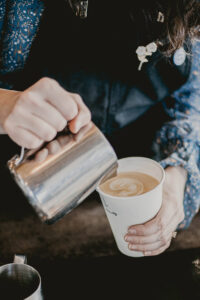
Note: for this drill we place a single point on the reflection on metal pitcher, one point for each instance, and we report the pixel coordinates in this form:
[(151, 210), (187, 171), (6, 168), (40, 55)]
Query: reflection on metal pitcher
[(62, 173)]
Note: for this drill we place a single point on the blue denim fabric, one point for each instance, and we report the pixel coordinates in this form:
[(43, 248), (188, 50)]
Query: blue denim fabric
[(179, 139)]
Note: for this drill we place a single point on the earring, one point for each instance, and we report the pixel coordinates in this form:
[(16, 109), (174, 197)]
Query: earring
[(80, 8), (161, 17)]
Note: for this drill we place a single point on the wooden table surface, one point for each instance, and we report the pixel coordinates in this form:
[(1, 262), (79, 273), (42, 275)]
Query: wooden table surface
[(78, 254), (170, 276)]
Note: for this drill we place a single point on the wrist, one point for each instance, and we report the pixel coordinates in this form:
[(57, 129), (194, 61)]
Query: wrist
[(8, 99), (176, 177), (178, 172)]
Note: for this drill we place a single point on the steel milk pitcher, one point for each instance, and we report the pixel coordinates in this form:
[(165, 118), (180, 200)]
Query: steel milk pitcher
[(18, 280), (60, 175)]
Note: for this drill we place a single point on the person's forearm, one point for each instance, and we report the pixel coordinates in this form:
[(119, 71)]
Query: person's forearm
[(178, 176), (6, 104)]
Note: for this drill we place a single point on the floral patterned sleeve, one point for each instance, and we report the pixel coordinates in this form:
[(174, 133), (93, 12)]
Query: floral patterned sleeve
[(179, 139)]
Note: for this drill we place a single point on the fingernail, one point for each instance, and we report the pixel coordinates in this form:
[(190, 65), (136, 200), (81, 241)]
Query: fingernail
[(132, 231), (131, 247), (146, 253), (77, 126), (126, 238)]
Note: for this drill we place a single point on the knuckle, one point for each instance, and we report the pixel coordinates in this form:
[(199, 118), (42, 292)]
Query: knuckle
[(33, 143), (73, 111), (141, 240), (45, 80), (18, 109), (25, 96), (48, 82), (33, 101), (61, 125), (135, 240), (78, 98), (163, 239), (49, 135), (53, 146), (88, 116), (86, 110), (141, 230)]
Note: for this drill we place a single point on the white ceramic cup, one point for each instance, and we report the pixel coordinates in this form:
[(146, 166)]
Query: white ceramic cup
[(122, 212)]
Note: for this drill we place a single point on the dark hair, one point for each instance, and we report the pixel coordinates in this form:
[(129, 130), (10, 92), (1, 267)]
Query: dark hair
[(182, 22)]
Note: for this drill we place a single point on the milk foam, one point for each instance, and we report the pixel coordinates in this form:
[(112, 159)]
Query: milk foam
[(127, 186)]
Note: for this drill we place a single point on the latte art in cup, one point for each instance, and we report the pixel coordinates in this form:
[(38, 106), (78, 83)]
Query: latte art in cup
[(126, 186), (129, 184)]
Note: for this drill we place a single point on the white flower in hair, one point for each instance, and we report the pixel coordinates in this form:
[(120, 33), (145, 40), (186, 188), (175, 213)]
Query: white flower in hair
[(152, 47), (141, 51)]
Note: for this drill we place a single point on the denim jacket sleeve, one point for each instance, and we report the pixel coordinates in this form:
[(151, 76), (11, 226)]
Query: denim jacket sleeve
[(179, 139)]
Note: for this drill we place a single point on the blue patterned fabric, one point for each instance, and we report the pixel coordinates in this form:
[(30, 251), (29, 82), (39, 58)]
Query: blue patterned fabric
[(179, 139), (19, 21)]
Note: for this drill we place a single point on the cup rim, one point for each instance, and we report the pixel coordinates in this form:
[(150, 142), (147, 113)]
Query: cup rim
[(30, 267), (136, 196)]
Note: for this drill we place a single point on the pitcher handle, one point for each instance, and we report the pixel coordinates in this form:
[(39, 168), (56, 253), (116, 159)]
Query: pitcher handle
[(25, 151), (20, 259), (21, 157)]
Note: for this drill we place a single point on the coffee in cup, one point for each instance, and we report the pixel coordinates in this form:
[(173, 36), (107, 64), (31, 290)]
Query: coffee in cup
[(129, 184)]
